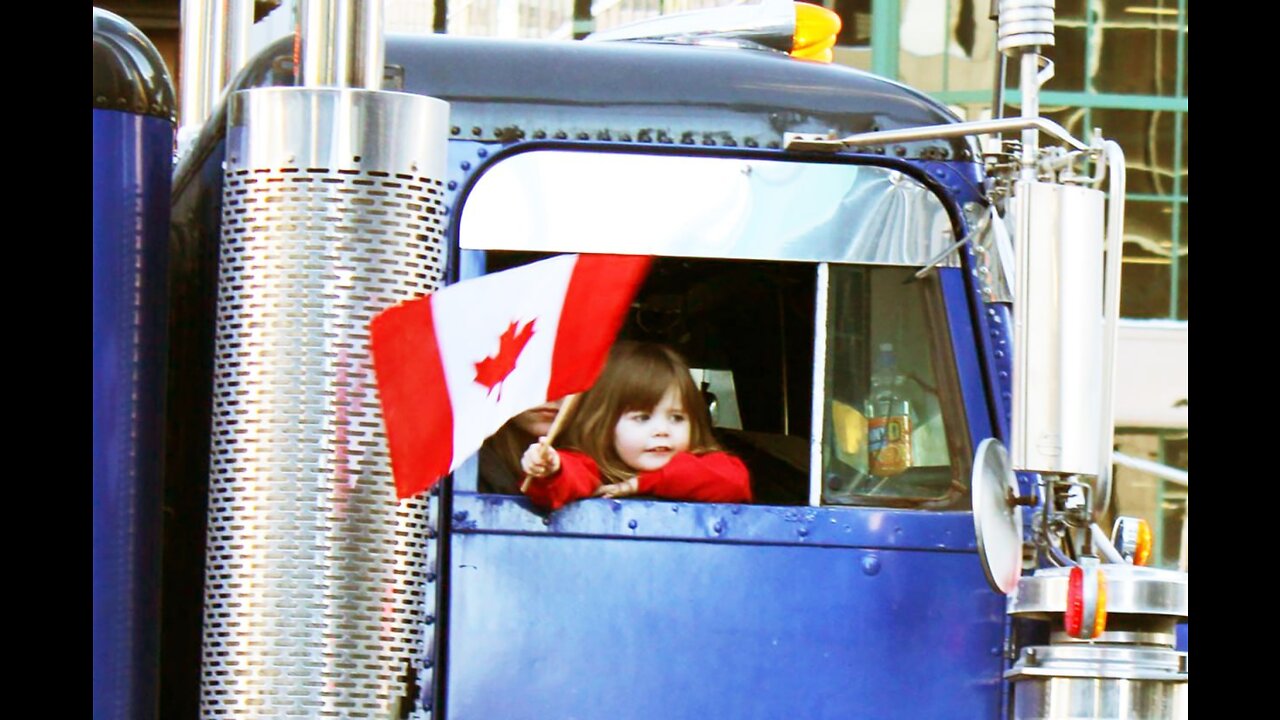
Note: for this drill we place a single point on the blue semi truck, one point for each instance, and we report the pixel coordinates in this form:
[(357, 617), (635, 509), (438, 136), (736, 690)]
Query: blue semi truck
[(875, 303)]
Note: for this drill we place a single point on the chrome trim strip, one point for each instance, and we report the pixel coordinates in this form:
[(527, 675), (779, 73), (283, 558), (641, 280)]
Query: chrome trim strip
[(1163, 472), (1111, 311), (820, 359), (803, 141)]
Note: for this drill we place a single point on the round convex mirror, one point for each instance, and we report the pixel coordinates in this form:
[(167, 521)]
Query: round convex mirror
[(996, 520)]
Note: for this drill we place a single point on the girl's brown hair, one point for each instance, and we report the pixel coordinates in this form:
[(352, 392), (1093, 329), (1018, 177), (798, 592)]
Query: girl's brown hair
[(509, 444), (636, 377)]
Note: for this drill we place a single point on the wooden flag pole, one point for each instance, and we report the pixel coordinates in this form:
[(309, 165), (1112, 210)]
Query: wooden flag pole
[(554, 430)]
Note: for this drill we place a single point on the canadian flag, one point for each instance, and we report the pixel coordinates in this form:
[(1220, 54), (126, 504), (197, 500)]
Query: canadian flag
[(453, 366)]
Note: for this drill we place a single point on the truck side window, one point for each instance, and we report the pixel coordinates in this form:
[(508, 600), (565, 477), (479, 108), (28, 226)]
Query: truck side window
[(885, 438), (748, 330), (751, 324)]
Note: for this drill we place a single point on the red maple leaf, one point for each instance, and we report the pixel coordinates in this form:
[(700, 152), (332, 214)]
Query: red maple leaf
[(493, 370)]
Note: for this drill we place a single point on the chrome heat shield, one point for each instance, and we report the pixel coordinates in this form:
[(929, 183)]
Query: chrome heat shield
[(316, 576)]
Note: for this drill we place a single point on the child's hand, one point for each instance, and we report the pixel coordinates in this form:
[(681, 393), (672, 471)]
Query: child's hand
[(630, 486), (540, 460)]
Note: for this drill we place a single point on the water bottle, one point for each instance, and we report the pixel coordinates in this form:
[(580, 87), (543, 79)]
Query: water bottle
[(888, 417)]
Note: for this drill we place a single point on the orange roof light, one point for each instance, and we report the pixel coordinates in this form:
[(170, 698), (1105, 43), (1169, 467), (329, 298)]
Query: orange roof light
[(816, 30)]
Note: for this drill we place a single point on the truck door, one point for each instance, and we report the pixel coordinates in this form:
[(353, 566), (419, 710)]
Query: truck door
[(852, 583)]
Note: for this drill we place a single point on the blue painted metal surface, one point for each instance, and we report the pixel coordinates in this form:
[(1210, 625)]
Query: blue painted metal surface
[(961, 182), (777, 624), (950, 532), (994, 340), (973, 389), (131, 175), (998, 322), (465, 163)]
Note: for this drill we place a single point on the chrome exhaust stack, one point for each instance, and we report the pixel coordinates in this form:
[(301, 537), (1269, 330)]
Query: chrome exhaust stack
[(1063, 370), (1057, 311), (1058, 230), (215, 46), (340, 44), (1024, 27), (318, 582), (1057, 301)]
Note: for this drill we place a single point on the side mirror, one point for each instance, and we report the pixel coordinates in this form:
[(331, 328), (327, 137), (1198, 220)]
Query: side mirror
[(997, 517)]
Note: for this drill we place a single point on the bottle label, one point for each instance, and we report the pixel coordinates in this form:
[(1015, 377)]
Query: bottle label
[(888, 444)]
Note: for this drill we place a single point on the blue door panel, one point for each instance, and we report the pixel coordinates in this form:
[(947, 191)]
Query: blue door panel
[(549, 626)]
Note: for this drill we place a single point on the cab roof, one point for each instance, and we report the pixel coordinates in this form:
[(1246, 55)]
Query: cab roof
[(638, 92)]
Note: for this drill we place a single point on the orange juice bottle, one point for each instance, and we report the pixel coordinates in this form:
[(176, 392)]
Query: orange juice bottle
[(888, 418)]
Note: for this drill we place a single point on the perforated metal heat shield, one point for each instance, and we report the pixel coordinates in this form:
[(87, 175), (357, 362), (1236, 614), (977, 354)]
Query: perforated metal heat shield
[(315, 575)]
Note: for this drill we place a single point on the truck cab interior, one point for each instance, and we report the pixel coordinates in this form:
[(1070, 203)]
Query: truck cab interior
[(747, 329)]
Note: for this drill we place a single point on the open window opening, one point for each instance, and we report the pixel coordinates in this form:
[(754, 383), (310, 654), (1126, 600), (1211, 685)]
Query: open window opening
[(890, 427), (746, 330)]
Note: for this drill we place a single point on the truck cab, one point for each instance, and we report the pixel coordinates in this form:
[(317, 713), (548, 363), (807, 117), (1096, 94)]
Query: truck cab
[(833, 255)]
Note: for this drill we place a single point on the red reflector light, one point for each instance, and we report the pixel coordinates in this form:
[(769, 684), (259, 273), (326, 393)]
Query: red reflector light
[(1086, 614), (1075, 602)]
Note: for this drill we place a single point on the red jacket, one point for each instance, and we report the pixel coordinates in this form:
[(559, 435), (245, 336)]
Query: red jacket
[(713, 477)]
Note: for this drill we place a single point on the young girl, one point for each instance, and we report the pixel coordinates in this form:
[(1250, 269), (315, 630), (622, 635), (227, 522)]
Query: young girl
[(642, 429)]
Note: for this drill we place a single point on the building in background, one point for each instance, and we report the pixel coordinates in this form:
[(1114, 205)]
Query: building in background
[(1118, 66)]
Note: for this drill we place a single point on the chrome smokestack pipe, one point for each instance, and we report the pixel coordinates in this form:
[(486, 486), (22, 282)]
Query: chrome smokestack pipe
[(317, 579), (1057, 328), (201, 38), (214, 47), (1025, 26), (239, 22), (340, 44), (1058, 334), (1030, 87)]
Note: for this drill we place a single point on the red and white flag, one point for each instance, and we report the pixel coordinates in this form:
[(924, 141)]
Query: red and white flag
[(454, 366)]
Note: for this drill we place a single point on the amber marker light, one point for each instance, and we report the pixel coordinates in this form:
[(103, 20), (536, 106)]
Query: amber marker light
[(815, 35), (1100, 615), (1143, 551), (1133, 539)]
